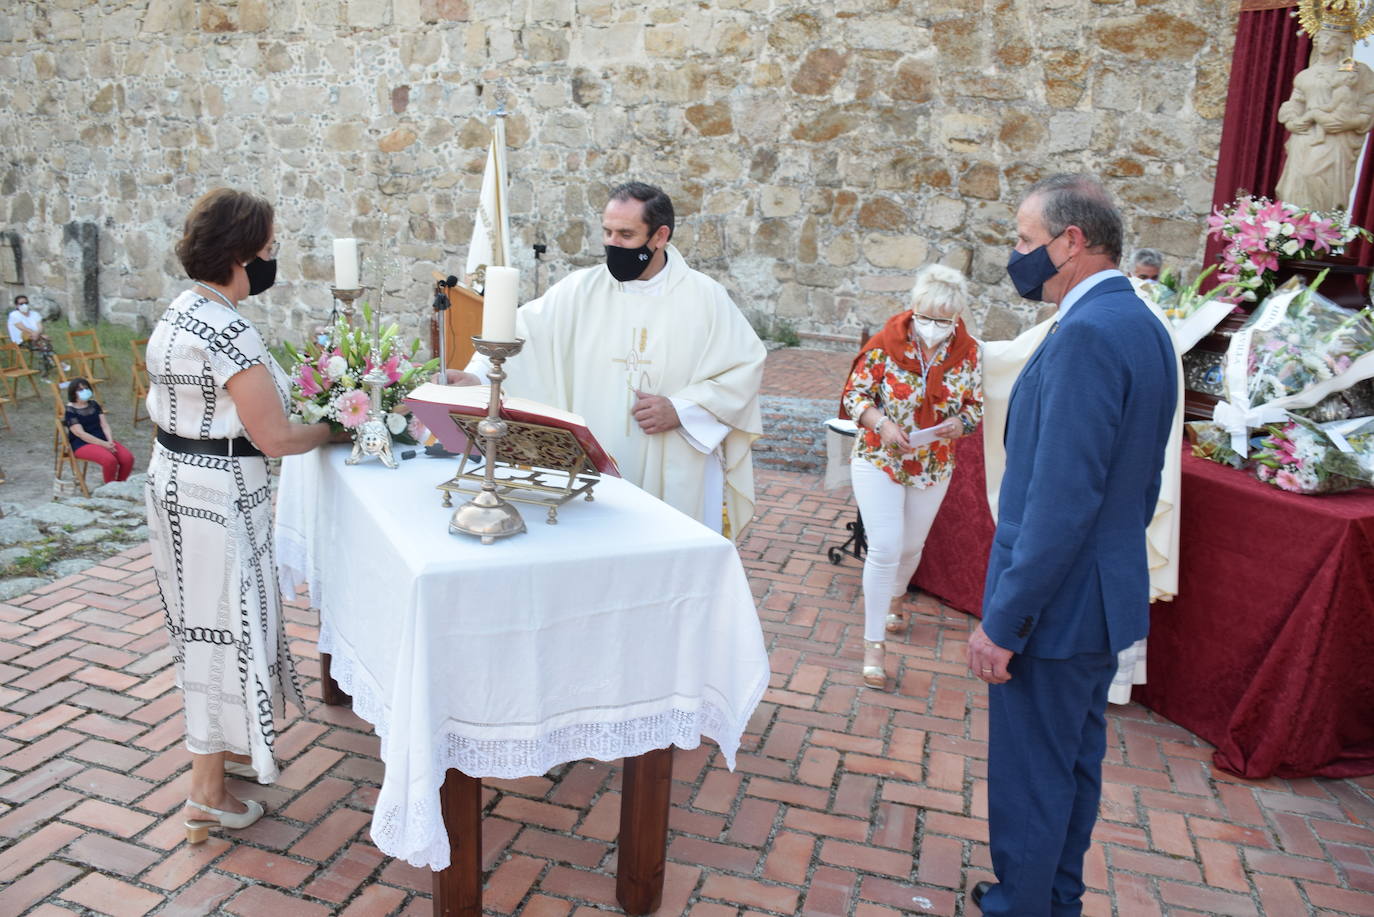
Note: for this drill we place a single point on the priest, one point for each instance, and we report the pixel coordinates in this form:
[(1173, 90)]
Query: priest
[(656, 357)]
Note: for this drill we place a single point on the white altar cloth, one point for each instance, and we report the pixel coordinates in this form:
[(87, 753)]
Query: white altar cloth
[(626, 627)]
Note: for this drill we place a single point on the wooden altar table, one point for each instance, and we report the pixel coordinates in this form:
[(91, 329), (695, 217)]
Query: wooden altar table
[(625, 629)]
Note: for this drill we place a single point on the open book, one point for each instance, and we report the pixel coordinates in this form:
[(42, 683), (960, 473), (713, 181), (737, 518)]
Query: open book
[(447, 409)]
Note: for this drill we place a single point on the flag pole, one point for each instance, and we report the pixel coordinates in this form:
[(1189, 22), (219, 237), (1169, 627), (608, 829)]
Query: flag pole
[(501, 248)]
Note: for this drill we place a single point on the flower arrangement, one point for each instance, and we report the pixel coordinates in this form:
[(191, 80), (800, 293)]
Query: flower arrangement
[(1297, 455), (1259, 232), (327, 377), (1300, 457), (1315, 340)]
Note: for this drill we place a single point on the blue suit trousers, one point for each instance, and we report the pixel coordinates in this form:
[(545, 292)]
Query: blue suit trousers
[(1047, 733)]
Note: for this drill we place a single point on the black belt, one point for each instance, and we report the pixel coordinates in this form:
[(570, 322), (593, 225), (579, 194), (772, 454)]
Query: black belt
[(238, 447)]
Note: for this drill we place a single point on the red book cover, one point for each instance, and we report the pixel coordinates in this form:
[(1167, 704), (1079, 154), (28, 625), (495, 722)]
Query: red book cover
[(435, 404)]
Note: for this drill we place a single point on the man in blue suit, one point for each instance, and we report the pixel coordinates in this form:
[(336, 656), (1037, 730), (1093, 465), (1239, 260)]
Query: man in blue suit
[(1068, 578)]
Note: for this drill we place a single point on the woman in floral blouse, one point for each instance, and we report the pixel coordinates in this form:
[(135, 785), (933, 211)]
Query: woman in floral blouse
[(914, 389)]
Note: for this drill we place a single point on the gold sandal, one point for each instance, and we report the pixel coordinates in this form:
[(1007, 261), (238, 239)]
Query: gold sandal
[(875, 675)]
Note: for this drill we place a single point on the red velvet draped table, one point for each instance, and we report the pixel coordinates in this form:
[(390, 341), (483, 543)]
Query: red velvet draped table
[(1268, 650)]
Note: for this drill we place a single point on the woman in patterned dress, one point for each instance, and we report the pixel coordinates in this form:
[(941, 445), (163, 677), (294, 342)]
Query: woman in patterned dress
[(914, 388), (219, 400)]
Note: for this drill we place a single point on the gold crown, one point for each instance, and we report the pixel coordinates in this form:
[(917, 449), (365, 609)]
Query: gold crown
[(1353, 16)]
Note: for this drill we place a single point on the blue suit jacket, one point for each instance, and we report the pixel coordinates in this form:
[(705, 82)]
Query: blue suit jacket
[(1087, 426)]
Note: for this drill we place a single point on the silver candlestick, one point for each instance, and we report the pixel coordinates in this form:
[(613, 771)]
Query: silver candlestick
[(486, 515), (347, 297)]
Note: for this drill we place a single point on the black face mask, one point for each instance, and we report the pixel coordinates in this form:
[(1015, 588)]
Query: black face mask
[(1030, 270), (628, 263), (261, 275)]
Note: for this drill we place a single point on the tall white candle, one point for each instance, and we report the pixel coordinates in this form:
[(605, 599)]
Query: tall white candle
[(499, 301), (345, 264)]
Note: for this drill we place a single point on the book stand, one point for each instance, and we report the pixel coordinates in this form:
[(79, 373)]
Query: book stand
[(534, 463)]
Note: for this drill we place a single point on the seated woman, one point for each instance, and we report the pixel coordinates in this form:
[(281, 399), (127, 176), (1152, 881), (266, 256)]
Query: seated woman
[(914, 387), (26, 330), (89, 433)]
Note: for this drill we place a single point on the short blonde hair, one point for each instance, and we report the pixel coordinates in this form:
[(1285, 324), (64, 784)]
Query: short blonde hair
[(939, 290)]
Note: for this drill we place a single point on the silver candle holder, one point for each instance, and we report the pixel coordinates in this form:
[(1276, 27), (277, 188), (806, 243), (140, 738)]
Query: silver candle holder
[(486, 515), (347, 297)]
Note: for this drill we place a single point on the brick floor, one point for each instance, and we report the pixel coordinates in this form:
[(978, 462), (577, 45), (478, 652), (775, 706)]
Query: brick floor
[(846, 801)]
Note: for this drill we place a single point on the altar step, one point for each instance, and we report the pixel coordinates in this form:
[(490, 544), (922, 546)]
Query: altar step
[(793, 434), (801, 391)]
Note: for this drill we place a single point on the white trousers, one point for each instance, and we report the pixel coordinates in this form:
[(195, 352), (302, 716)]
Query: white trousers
[(897, 519)]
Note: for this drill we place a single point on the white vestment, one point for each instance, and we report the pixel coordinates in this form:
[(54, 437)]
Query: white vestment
[(1002, 362), (591, 342)]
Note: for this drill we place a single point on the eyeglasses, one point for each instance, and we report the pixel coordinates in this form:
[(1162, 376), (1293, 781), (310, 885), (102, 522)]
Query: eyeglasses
[(272, 251), (937, 322)]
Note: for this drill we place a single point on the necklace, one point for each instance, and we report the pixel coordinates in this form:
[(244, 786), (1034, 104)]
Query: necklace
[(224, 299)]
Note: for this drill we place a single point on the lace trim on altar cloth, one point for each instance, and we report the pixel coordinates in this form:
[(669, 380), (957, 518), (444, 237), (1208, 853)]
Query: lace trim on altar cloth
[(407, 822)]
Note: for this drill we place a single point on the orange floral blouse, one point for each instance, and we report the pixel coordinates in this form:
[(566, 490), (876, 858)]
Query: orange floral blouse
[(881, 383)]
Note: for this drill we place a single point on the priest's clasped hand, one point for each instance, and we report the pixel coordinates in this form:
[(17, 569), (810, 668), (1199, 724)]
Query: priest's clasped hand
[(654, 413)]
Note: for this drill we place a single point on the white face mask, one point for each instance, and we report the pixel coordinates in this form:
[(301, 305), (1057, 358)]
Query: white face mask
[(931, 334), (24, 308)]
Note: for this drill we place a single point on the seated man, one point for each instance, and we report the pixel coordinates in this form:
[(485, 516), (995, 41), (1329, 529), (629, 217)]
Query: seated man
[(26, 330), (656, 357)]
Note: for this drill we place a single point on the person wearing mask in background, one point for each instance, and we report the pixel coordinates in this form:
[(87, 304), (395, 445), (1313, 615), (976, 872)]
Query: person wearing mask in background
[(89, 433), (26, 330), (914, 388)]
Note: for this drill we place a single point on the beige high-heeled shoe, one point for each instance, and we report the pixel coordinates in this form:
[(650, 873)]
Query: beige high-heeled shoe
[(875, 675), (198, 829)]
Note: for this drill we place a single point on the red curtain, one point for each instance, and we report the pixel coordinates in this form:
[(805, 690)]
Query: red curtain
[(1270, 50)]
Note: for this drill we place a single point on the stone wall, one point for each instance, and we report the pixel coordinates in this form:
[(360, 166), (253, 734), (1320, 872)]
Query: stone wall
[(817, 152)]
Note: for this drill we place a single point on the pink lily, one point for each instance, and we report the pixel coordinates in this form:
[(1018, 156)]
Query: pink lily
[(308, 382)]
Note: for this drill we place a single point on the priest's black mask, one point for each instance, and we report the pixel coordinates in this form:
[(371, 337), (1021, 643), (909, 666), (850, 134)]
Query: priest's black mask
[(628, 263)]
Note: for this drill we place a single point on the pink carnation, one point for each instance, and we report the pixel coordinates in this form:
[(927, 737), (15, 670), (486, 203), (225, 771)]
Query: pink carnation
[(352, 408), (1288, 481)]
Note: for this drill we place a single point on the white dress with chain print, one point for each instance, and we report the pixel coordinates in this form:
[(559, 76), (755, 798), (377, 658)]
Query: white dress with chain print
[(210, 527)]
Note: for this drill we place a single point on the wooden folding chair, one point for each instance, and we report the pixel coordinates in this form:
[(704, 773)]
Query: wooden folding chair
[(138, 385), (14, 368), (71, 365), (63, 454), (86, 345)]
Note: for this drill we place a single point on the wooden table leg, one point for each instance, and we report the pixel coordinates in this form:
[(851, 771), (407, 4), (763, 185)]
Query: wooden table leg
[(458, 889), (644, 830), (330, 692)]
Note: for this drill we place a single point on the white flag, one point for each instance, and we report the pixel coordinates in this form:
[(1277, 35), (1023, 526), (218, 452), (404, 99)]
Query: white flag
[(491, 227)]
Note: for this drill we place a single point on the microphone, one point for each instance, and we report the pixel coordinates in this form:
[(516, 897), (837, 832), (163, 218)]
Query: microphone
[(440, 297)]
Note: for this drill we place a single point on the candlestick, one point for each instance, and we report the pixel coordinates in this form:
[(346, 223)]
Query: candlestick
[(486, 515), (346, 264), (346, 297), (499, 300)]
